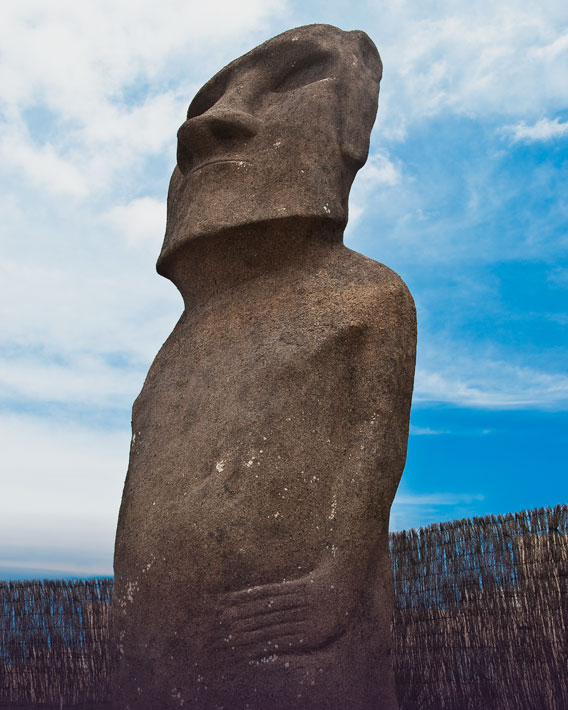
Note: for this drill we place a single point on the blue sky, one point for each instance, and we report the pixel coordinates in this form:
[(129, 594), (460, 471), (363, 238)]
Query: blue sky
[(463, 195)]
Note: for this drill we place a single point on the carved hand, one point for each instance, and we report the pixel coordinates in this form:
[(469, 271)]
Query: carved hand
[(285, 618)]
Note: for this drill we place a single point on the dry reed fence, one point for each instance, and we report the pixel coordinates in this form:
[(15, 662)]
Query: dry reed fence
[(53, 642), (481, 622)]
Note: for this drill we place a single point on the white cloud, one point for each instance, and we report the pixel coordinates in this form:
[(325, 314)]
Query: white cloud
[(102, 72), (61, 490), (79, 312), (379, 174), (67, 54), (425, 431), (436, 498), (543, 130), (379, 171), (414, 510), (482, 382), (142, 221), (82, 380), (553, 49), (559, 276), (41, 165), (470, 59)]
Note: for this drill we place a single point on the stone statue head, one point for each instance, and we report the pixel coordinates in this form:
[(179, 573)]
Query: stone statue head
[(278, 133)]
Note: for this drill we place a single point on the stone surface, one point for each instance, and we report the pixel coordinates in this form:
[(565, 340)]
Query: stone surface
[(251, 562)]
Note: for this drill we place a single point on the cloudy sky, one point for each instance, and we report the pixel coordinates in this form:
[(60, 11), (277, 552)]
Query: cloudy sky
[(464, 194)]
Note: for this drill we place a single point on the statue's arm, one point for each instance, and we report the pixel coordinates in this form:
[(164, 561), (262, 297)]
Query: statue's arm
[(311, 611), (382, 373)]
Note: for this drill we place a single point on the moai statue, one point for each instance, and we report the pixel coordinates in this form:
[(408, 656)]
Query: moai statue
[(251, 565)]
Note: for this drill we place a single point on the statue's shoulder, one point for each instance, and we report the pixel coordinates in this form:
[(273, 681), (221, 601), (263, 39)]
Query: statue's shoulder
[(375, 288)]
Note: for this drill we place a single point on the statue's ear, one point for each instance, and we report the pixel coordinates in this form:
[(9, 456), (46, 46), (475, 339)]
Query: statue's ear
[(359, 98)]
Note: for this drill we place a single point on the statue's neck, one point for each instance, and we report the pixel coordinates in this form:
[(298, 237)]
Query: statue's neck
[(210, 264)]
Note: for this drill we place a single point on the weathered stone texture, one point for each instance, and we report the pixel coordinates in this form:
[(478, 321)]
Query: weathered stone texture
[(251, 563)]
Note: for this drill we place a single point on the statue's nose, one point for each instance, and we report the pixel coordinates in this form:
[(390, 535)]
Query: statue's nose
[(207, 134)]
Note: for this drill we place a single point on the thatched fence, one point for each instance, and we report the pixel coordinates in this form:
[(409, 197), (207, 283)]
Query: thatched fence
[(481, 622), (53, 642)]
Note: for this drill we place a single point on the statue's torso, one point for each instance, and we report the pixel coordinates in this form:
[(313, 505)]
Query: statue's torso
[(245, 415)]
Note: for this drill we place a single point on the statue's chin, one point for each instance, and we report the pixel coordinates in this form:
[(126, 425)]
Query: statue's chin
[(204, 222), (229, 196)]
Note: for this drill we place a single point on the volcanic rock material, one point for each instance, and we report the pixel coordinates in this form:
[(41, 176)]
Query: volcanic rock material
[(251, 564)]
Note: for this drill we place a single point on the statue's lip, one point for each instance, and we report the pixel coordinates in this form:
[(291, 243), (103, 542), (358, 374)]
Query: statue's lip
[(234, 161)]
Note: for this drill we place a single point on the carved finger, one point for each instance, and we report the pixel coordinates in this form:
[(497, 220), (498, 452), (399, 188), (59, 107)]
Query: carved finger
[(267, 636), (254, 610), (271, 619), (244, 596), (266, 621), (279, 651)]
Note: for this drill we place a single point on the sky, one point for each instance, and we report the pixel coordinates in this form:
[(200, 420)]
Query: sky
[(464, 195)]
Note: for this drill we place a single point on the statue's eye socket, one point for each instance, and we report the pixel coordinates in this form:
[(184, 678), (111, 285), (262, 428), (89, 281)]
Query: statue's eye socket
[(207, 97), (306, 71)]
